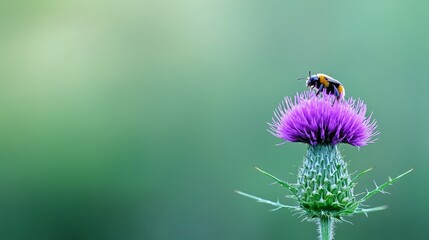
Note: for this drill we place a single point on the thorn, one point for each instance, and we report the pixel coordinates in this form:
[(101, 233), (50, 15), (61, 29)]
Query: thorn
[(342, 219), (275, 209), (356, 195), (279, 144)]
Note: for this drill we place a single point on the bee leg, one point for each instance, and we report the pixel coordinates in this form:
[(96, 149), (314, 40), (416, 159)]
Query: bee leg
[(320, 89), (337, 94)]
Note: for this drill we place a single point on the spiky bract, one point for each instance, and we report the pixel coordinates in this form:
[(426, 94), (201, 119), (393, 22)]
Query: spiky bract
[(324, 185)]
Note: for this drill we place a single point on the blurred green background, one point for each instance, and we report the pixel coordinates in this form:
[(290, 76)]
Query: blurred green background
[(139, 119)]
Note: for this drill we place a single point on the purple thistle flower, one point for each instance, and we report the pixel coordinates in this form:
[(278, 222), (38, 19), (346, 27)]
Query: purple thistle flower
[(316, 120), (324, 187)]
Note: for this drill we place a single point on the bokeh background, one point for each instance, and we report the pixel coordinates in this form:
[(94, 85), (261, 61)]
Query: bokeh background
[(139, 119)]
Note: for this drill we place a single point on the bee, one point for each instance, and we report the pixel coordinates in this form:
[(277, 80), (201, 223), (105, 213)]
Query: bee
[(322, 81)]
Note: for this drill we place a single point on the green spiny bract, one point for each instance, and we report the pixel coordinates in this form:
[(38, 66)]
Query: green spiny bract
[(324, 188), (324, 185)]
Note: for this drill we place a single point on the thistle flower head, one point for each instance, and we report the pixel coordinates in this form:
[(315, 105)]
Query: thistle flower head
[(315, 120), (324, 189)]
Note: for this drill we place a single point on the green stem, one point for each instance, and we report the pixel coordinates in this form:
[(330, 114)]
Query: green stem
[(325, 228)]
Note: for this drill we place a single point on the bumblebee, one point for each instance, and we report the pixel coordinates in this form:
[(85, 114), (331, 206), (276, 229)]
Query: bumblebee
[(322, 81)]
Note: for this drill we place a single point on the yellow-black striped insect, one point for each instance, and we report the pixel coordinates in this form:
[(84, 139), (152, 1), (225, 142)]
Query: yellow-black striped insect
[(322, 81)]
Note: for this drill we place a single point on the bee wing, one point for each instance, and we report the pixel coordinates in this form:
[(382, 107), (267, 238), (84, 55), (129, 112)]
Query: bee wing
[(332, 80)]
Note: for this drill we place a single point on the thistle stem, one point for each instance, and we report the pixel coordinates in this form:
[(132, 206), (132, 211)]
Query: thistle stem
[(325, 228)]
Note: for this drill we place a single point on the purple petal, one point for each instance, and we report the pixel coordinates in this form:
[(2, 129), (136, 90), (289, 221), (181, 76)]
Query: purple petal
[(314, 120)]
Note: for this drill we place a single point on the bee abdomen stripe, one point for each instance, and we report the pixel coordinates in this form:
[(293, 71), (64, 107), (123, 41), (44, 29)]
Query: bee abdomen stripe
[(341, 89)]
